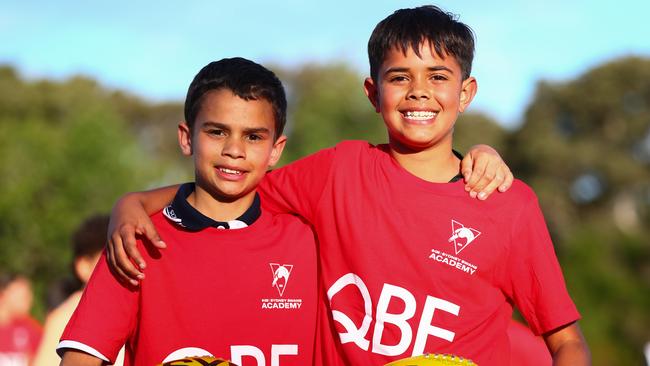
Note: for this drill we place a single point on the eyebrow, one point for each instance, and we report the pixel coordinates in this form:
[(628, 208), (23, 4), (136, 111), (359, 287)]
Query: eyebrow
[(406, 69), (208, 124)]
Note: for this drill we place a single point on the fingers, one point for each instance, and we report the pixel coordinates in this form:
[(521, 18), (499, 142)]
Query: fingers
[(149, 231), (507, 182), (478, 168), (116, 242), (466, 169), (492, 177), (123, 265), (490, 185), (482, 176), (484, 172)]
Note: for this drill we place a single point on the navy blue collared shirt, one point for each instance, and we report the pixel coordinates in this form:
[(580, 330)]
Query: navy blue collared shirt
[(183, 214)]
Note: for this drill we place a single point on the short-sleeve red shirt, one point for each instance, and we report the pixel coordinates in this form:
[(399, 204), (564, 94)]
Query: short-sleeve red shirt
[(248, 295), (414, 267)]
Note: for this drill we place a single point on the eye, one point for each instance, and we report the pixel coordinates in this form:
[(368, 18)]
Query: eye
[(439, 77), (255, 137), (398, 79), (216, 132)]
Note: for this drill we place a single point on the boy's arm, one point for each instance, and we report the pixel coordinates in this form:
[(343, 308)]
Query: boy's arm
[(77, 358), (484, 171), (105, 318), (482, 168), (568, 346), (130, 217)]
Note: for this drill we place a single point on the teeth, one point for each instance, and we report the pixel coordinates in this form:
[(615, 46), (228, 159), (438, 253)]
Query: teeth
[(230, 171), (420, 115)]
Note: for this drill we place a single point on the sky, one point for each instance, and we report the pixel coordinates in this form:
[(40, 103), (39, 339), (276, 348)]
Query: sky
[(154, 48)]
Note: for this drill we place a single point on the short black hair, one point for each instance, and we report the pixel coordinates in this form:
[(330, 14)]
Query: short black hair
[(90, 237), (408, 28), (246, 79)]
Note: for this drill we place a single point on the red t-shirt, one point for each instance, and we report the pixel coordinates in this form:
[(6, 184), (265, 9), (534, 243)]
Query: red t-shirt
[(19, 340), (247, 294), (415, 267)]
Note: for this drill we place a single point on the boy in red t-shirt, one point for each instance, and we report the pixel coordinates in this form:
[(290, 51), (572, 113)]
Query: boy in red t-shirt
[(236, 282), (409, 262)]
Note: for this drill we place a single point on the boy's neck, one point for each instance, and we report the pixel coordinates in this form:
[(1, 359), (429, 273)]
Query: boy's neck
[(437, 164), (219, 209)]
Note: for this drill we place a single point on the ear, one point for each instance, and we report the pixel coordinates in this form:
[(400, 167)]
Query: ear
[(185, 138), (84, 266), (276, 152), (371, 92), (467, 93)]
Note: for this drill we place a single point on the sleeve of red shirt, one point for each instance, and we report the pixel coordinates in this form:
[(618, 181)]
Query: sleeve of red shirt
[(106, 315), (297, 188), (535, 278)]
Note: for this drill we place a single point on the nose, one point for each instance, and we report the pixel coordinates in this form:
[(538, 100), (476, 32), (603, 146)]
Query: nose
[(419, 89), (233, 147)]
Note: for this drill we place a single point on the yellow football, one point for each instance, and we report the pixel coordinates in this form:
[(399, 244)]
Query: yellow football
[(198, 361), (433, 360)]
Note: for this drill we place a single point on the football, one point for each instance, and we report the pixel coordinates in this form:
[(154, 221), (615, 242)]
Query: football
[(433, 360), (198, 361)]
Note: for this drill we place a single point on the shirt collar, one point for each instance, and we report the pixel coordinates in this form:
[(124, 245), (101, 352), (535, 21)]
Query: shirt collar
[(458, 176), (183, 214)]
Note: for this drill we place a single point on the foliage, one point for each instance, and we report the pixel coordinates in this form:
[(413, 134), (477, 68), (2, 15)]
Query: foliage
[(327, 105), (584, 147), (68, 152)]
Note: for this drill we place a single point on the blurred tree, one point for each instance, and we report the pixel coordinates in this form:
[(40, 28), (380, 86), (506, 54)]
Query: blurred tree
[(584, 147), (155, 128), (67, 152), (474, 128), (327, 105)]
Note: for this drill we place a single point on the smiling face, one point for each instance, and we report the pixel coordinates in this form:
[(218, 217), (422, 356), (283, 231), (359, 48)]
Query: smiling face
[(233, 144), (419, 98)]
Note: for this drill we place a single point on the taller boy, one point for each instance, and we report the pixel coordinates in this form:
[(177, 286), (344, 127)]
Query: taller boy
[(410, 263)]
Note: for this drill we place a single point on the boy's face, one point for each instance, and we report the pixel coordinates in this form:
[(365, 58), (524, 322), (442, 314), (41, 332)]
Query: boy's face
[(419, 98), (232, 143)]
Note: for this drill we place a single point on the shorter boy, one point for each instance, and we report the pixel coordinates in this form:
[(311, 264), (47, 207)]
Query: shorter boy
[(238, 283)]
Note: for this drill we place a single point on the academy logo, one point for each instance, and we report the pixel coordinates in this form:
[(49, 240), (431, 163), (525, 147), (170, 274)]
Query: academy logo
[(462, 236), (281, 275)]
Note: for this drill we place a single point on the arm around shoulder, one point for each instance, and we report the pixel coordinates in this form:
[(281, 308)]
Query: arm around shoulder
[(485, 171), (568, 346), (130, 216)]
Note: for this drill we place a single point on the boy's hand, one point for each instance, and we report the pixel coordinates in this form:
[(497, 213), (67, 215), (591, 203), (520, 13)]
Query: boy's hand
[(484, 171), (129, 219)]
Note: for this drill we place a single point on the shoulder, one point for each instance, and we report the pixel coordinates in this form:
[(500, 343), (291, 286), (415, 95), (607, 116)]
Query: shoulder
[(509, 205), (288, 225), (358, 152), (520, 191), (163, 223), (348, 146)]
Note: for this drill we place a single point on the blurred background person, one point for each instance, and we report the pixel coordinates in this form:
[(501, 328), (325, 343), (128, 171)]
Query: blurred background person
[(87, 245), (20, 334)]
